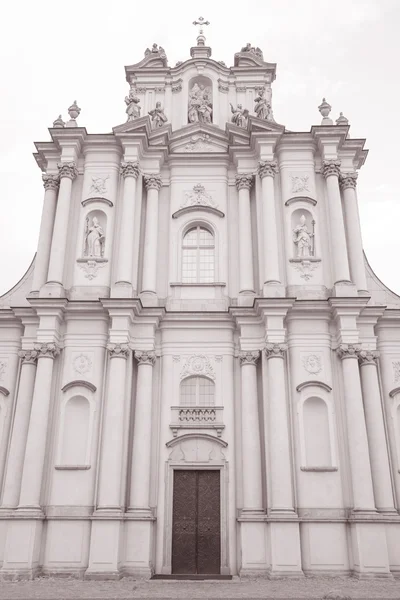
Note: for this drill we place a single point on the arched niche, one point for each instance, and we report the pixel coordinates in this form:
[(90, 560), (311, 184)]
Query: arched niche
[(94, 235), (316, 433), (200, 100), (303, 234)]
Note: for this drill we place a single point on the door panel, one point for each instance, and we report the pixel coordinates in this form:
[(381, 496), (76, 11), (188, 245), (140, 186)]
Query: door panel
[(208, 523), (184, 522)]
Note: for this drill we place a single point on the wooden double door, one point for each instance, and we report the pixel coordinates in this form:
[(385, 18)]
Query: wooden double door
[(196, 523)]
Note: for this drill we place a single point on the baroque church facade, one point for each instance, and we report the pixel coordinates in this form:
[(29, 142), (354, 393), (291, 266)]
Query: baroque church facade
[(199, 372)]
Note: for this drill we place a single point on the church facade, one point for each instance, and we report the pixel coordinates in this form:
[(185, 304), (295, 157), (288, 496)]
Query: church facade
[(200, 373)]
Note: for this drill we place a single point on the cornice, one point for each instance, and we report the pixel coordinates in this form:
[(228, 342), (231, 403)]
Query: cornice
[(313, 383), (79, 382)]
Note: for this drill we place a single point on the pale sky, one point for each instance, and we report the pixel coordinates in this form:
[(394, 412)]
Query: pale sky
[(52, 53)]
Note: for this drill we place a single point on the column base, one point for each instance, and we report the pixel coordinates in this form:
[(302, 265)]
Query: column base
[(53, 289), (285, 552), (122, 289), (139, 544), (22, 549), (369, 550), (149, 298), (253, 541), (105, 549), (246, 298), (272, 289), (344, 289)]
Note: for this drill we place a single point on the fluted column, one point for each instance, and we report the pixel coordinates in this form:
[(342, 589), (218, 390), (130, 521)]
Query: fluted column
[(67, 173), (378, 451), (331, 171), (149, 280), (51, 184), (251, 443), (246, 275), (281, 499), (360, 467), (111, 460), (35, 450), (348, 182), (124, 266), (15, 462), (141, 447), (267, 171)]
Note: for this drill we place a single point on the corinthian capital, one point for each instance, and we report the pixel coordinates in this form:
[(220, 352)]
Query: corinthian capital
[(28, 356), (348, 351), (49, 350), (129, 169), (118, 350), (152, 182), (331, 167), (244, 181), (275, 350), (249, 358), (67, 169), (145, 358), (267, 168), (367, 357), (50, 182), (348, 180)]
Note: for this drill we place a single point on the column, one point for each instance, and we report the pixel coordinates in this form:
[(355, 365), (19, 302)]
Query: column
[(124, 266), (51, 183), (15, 462), (279, 449), (246, 274), (112, 439), (251, 443), (331, 171), (267, 171), (149, 279), (378, 451), (348, 182), (32, 472), (363, 495), (67, 172), (141, 447)]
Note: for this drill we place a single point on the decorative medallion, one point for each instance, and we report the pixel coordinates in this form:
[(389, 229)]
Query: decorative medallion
[(312, 363), (198, 364), (396, 371), (300, 183), (218, 358), (198, 197), (305, 267), (98, 186), (82, 364)]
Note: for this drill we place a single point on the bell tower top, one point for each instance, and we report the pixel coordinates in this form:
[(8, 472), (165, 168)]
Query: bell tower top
[(201, 50)]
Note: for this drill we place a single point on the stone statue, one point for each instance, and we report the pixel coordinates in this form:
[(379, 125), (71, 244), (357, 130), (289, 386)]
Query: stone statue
[(94, 239), (239, 116), (256, 51), (200, 105), (262, 107), (132, 106), (158, 117), (303, 239)]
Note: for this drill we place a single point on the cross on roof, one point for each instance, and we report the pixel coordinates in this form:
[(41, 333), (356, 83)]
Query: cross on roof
[(201, 22)]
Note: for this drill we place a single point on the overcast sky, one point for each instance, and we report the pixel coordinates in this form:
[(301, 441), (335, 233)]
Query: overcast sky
[(52, 53)]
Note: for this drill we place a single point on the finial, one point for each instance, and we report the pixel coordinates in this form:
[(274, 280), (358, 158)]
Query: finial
[(342, 120), (73, 112), (201, 40), (58, 123), (325, 108)]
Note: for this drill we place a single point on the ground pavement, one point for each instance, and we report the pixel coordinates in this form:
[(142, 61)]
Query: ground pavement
[(129, 588)]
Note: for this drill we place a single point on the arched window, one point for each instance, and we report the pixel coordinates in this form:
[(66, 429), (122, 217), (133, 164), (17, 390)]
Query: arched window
[(198, 256), (197, 391)]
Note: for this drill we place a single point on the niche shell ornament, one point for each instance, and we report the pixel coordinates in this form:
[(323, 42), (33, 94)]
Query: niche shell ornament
[(198, 364)]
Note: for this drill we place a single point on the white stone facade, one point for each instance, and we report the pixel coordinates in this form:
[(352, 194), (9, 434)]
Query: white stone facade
[(230, 257)]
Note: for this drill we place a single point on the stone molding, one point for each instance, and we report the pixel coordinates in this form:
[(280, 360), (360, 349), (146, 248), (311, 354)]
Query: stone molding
[(67, 169), (367, 357), (129, 169), (145, 357), (331, 167), (28, 356), (51, 182), (118, 350), (244, 181), (313, 383), (267, 168), (4, 391), (47, 350), (153, 182), (249, 358), (275, 350), (348, 180), (77, 383), (348, 351)]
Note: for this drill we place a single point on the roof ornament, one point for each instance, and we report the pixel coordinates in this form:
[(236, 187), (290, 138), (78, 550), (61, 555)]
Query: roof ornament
[(73, 112), (256, 51), (342, 120), (325, 108), (201, 39), (58, 123)]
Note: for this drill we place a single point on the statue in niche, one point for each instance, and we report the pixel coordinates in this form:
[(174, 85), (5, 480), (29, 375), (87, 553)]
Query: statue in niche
[(262, 107), (304, 239), (132, 106), (200, 105), (239, 116), (158, 117), (94, 239)]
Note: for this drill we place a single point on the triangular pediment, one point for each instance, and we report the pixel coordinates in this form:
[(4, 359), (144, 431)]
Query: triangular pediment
[(199, 138)]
